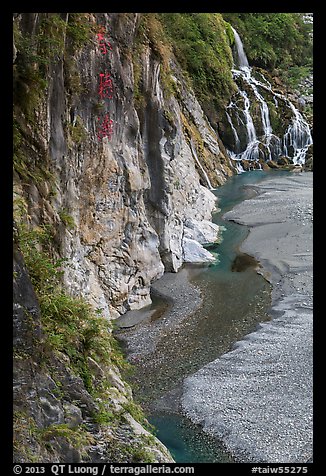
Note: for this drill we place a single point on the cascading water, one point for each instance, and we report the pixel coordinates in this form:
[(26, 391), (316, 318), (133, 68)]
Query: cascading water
[(263, 145), (298, 137), (241, 57), (236, 137), (249, 122)]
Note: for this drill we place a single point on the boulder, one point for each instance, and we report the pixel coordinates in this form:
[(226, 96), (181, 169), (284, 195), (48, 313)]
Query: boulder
[(73, 415), (283, 161), (202, 231), (308, 165), (194, 252), (277, 81), (272, 165)]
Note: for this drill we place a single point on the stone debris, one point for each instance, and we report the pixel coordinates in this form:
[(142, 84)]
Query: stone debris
[(258, 398)]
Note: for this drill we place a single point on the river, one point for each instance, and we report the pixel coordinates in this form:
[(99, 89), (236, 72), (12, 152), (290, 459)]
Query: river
[(229, 299)]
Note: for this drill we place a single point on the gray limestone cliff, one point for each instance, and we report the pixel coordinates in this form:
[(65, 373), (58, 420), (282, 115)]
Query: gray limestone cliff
[(130, 197), (57, 417), (122, 209)]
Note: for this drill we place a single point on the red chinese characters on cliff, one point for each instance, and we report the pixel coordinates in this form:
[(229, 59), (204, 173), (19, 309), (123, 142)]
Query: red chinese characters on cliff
[(105, 127), (104, 45), (105, 88)]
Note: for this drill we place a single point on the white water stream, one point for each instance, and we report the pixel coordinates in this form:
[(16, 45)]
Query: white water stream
[(296, 139)]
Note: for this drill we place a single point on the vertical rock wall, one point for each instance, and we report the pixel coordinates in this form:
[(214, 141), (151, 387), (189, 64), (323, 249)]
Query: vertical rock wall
[(128, 197), (120, 211)]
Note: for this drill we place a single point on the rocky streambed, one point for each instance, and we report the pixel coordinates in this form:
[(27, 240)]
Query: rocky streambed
[(258, 397), (211, 400)]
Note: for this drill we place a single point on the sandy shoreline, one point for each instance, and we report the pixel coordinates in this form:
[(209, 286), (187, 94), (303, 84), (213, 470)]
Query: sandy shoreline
[(280, 218), (258, 397)]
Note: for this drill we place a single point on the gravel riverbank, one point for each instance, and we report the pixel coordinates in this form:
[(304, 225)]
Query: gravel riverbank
[(142, 339), (258, 397)]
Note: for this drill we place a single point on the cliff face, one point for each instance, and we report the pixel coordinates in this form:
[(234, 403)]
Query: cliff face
[(114, 163), (122, 208), (130, 196), (57, 417)]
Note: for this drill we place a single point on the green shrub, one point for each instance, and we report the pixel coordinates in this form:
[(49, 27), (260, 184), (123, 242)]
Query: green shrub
[(137, 413), (78, 437), (67, 219), (140, 454), (104, 417), (294, 74), (80, 30), (45, 272), (273, 40), (71, 325), (229, 32), (201, 43), (77, 131)]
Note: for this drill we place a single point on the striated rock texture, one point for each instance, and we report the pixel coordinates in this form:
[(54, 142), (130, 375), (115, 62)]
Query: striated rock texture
[(128, 197), (120, 210), (56, 418)]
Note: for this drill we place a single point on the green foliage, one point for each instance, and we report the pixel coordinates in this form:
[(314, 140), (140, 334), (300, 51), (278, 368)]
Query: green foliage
[(34, 53), (229, 32), (201, 43), (46, 45), (138, 96), (24, 428), (27, 168), (135, 410), (79, 30), (19, 158), (151, 32), (77, 437), (104, 417), (294, 74), (67, 219), (77, 132), (137, 413), (72, 327), (70, 323), (273, 40), (44, 272), (73, 81), (140, 454), (51, 38), (169, 86)]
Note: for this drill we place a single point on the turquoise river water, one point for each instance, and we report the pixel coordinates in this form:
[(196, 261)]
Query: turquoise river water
[(234, 300)]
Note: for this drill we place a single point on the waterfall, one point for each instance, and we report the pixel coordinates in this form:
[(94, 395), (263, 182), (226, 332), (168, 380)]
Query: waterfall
[(249, 122), (264, 111), (296, 139), (298, 136), (236, 137), (242, 60)]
